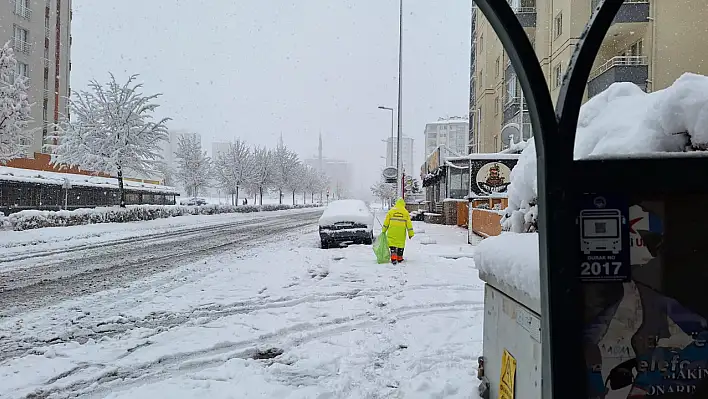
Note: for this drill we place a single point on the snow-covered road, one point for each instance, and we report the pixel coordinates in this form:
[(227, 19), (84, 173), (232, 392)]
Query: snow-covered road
[(33, 276), (282, 320)]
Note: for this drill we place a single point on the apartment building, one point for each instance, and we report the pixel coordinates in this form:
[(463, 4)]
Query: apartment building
[(40, 33), (451, 133), (651, 43)]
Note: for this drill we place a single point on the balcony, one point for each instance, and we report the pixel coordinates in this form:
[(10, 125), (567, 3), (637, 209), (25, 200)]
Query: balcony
[(526, 16), (21, 46), (22, 11), (633, 69), (511, 108), (631, 11)]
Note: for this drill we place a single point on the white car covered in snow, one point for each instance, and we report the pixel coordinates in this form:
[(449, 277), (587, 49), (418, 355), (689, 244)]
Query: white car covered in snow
[(346, 222)]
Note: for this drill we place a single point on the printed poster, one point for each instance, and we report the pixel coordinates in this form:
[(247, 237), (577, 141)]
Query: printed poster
[(646, 338)]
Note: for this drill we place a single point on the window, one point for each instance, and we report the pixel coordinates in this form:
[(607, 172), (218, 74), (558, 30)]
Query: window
[(22, 9), (497, 68), (496, 143), (20, 40), (511, 89), (22, 69), (481, 43), (558, 25), (496, 105), (557, 76)]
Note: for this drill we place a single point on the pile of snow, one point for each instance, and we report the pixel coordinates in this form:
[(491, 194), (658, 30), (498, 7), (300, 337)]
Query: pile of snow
[(354, 211), (4, 221), (511, 258), (619, 121), (34, 219)]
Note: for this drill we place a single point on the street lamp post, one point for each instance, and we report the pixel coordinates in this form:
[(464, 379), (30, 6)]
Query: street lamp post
[(399, 167), (390, 162)]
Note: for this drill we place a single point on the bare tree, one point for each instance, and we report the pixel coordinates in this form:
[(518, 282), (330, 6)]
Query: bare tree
[(15, 109), (111, 129)]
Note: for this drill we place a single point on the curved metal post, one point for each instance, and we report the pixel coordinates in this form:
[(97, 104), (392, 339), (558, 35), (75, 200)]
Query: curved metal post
[(563, 360), (573, 88)]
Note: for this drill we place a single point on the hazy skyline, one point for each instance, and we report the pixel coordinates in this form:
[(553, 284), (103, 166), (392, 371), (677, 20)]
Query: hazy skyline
[(256, 69)]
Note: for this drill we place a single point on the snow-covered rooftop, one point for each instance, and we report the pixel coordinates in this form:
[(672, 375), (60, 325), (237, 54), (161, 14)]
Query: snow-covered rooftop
[(490, 155), (43, 177), (447, 121)]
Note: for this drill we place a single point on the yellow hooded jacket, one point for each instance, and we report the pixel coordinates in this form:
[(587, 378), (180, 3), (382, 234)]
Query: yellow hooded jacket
[(397, 224)]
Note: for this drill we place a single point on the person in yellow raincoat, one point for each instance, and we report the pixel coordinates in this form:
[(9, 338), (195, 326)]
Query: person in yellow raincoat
[(396, 226)]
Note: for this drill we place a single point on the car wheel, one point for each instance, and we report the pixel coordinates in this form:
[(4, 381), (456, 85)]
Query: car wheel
[(370, 240), (324, 244)]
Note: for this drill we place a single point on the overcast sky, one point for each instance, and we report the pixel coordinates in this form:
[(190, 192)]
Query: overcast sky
[(257, 68)]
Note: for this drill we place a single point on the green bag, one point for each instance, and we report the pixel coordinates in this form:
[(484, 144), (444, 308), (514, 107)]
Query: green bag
[(381, 249)]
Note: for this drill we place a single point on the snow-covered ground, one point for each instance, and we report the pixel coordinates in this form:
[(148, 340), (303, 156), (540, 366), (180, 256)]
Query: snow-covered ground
[(285, 320), (31, 242)]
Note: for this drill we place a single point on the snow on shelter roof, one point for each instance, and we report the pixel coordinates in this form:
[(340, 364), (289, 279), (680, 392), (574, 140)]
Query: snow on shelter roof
[(57, 178), (621, 122), (488, 155)]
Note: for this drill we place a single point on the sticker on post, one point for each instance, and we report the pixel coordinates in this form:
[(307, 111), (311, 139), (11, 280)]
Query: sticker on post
[(508, 374), (604, 239)]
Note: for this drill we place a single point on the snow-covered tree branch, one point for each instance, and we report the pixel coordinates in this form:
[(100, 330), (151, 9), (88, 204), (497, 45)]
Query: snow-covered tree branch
[(15, 137), (193, 164), (234, 168), (264, 171), (286, 165), (111, 129), (386, 192)]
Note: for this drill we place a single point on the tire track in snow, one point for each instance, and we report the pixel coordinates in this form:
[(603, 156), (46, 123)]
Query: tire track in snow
[(142, 239), (104, 379), (86, 275), (163, 320)]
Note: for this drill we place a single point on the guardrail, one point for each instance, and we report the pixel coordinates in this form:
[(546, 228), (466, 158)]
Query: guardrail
[(21, 46), (23, 11), (619, 61)]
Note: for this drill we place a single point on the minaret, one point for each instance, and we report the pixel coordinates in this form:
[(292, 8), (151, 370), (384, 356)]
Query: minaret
[(280, 141), (319, 152)]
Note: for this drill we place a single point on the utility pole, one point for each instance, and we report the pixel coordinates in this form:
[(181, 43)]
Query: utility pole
[(399, 166)]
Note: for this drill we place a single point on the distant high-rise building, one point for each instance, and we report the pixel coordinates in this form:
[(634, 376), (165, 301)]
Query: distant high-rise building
[(219, 148), (40, 35), (452, 133), (338, 172), (169, 147), (406, 153)]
